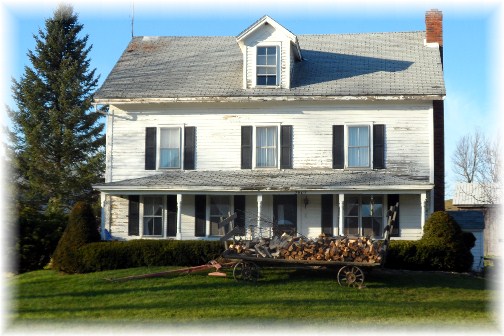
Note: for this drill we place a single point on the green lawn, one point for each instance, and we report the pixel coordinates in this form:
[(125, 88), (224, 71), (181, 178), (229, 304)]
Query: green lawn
[(294, 297)]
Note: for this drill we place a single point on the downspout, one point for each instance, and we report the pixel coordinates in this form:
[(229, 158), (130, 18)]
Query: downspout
[(106, 206)]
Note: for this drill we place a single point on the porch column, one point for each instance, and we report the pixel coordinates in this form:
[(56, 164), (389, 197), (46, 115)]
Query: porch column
[(341, 200), (179, 217), (259, 210), (103, 201), (423, 201)]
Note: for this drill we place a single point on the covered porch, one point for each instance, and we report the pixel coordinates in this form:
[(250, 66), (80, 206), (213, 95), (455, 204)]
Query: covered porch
[(189, 204)]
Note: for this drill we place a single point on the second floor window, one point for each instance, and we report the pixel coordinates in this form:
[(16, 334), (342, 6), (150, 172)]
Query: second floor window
[(266, 147), (267, 66), (358, 146), (169, 148)]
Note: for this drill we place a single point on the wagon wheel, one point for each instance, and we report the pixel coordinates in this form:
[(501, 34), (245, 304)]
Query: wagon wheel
[(245, 270), (351, 276)]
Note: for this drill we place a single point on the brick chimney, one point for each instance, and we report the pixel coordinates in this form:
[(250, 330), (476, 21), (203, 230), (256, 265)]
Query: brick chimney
[(434, 29), (434, 26)]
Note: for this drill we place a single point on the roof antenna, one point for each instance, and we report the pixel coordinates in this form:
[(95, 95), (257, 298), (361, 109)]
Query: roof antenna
[(132, 17)]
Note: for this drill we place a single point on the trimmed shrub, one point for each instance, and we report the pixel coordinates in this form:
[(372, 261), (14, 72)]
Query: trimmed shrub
[(443, 247), (82, 228), (108, 255)]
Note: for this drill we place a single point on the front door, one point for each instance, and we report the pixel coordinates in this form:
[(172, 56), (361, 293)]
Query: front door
[(285, 213)]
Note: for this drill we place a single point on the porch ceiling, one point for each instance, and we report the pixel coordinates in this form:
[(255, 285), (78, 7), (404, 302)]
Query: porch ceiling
[(270, 181)]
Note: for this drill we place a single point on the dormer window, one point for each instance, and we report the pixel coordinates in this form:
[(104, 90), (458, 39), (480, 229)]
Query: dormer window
[(267, 66)]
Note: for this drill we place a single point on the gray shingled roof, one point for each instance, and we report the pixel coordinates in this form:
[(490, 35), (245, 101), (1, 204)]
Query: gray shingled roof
[(334, 65), (270, 180)]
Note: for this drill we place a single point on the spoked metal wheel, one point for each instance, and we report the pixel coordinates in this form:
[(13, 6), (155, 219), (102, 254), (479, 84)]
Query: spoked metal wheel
[(246, 270), (351, 276)]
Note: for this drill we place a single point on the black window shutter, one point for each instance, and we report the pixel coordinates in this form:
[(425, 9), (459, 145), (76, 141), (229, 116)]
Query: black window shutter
[(392, 201), (286, 147), (150, 148), (239, 208), (338, 147), (327, 214), (171, 221), (134, 215), (200, 215), (189, 148), (246, 147), (378, 146)]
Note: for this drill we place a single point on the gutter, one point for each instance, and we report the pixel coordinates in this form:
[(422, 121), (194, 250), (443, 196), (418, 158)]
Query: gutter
[(241, 99), (129, 190)]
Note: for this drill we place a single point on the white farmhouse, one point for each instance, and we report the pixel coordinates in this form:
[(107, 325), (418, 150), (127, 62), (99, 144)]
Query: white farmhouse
[(316, 133)]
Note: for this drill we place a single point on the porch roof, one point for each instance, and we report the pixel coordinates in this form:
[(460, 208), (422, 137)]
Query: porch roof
[(269, 181)]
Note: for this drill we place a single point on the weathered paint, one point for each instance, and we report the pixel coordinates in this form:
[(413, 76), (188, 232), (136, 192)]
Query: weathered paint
[(408, 127)]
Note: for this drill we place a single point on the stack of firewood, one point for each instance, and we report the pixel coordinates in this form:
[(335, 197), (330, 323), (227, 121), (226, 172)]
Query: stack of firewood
[(324, 248)]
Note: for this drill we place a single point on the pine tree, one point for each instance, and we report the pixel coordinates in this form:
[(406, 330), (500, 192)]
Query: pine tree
[(58, 137)]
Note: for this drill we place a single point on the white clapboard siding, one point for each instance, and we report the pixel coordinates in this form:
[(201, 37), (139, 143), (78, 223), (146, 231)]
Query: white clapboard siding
[(409, 217), (408, 130), (118, 226)]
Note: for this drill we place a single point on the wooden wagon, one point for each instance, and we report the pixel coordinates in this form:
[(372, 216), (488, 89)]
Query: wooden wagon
[(349, 256)]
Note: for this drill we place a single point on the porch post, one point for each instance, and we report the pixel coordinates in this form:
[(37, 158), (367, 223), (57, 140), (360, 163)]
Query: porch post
[(423, 201), (103, 201), (179, 217), (341, 200), (259, 210)]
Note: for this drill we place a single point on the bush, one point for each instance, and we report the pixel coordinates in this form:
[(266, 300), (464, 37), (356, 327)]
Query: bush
[(36, 238), (82, 228), (138, 253), (443, 247)]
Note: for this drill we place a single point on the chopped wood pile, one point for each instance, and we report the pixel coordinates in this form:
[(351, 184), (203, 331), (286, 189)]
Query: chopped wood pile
[(324, 248)]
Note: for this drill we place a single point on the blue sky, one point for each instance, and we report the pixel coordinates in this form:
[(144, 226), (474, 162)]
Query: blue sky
[(471, 32)]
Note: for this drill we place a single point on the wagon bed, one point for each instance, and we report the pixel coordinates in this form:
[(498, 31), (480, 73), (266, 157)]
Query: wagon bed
[(350, 273)]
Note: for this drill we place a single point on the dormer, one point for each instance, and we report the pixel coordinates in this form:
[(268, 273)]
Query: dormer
[(269, 52)]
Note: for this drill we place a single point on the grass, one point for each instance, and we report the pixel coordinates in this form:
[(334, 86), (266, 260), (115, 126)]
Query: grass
[(281, 296)]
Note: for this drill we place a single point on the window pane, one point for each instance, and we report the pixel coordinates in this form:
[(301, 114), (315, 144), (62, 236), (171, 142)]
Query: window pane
[(261, 80), (170, 137), (351, 206), (351, 226), (261, 60), (266, 146), (262, 70), (371, 226), (363, 157), (170, 158), (358, 146), (170, 148), (271, 50), (219, 210), (267, 67), (153, 216), (363, 136), (353, 136)]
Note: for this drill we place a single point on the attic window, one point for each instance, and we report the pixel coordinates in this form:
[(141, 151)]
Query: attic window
[(267, 66)]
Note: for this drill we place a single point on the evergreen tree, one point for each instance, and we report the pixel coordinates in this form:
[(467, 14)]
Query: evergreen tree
[(58, 147)]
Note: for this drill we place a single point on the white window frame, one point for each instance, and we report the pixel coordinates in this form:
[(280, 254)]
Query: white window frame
[(163, 217), (181, 149), (347, 143), (254, 145), (276, 45)]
